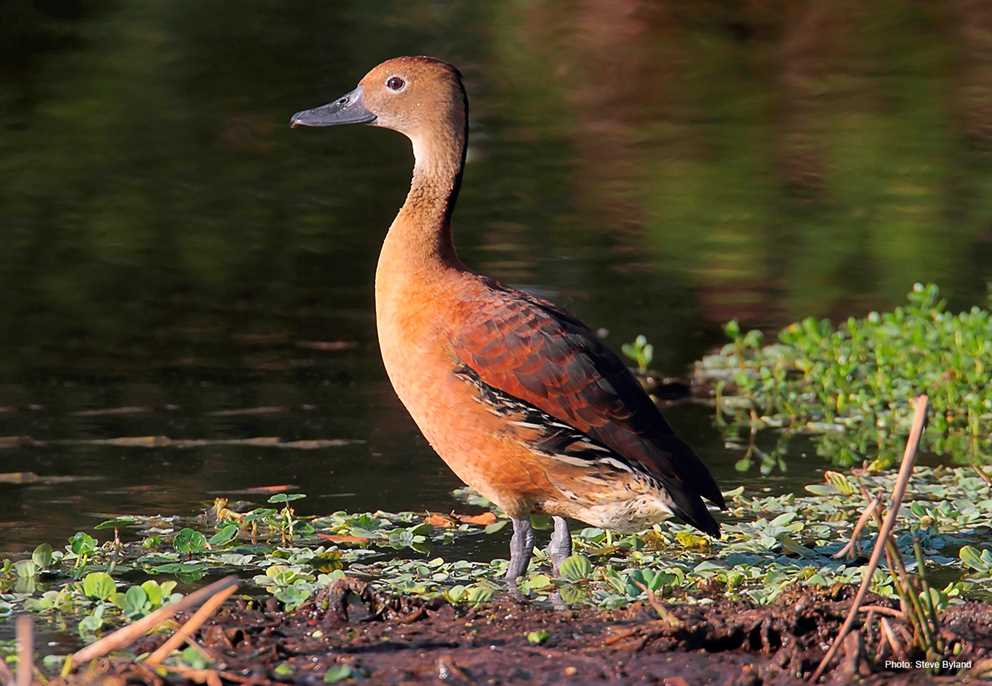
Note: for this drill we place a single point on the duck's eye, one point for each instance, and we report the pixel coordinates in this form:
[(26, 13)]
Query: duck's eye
[(395, 83)]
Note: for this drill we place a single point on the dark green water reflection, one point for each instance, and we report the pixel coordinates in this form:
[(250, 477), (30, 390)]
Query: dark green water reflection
[(170, 246)]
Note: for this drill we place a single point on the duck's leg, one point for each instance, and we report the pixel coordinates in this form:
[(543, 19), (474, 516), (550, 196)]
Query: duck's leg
[(521, 547), (560, 546)]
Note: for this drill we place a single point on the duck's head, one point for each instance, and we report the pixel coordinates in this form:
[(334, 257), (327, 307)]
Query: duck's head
[(417, 96)]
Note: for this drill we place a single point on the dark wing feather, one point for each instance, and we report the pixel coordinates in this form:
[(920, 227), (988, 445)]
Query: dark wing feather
[(532, 350)]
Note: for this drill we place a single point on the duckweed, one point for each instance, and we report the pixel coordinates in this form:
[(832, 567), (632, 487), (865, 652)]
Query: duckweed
[(769, 543), (852, 383)]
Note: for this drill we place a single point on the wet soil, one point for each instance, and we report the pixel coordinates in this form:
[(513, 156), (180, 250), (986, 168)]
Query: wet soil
[(385, 640)]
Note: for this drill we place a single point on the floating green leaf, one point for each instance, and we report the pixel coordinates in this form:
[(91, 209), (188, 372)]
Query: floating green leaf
[(82, 543), (25, 568), (117, 523), (98, 585), (224, 535), (978, 560), (283, 498), (338, 673), (135, 600), (575, 568), (42, 556), (189, 541), (91, 623), (496, 526)]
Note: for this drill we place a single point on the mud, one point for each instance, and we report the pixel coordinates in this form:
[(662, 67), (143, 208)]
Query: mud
[(385, 640)]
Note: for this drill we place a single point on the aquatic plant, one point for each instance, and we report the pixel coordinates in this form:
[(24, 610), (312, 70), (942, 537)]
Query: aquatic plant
[(640, 352), (851, 383), (769, 544)]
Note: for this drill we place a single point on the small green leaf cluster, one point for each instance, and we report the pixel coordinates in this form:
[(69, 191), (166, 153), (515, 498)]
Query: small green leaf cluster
[(770, 543), (145, 598), (293, 585), (96, 594), (977, 560), (853, 382), (640, 352)]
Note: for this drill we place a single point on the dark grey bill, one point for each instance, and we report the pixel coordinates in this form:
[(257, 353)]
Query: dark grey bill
[(348, 109)]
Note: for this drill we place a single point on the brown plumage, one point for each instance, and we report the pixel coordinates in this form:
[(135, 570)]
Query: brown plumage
[(519, 398)]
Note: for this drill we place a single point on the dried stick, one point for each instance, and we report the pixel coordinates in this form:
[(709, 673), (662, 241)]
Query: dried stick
[(664, 616), (25, 650), (902, 481), (892, 556), (191, 625), (983, 475), (127, 635), (931, 612), (908, 596), (890, 637), (868, 632), (210, 677), (852, 545), (882, 610)]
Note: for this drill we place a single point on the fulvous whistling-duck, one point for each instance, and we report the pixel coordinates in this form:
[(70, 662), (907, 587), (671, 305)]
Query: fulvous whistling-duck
[(518, 397)]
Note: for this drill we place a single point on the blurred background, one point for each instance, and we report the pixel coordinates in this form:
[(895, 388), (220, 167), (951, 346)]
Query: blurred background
[(177, 262)]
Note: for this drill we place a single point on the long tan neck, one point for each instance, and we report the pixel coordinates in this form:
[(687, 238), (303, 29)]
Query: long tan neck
[(419, 239)]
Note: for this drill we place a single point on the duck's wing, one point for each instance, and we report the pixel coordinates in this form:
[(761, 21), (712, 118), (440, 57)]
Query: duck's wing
[(529, 349)]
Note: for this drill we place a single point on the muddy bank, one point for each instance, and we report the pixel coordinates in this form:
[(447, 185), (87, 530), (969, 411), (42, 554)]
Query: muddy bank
[(348, 634)]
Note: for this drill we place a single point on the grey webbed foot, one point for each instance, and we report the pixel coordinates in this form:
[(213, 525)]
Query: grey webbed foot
[(560, 546), (521, 547)]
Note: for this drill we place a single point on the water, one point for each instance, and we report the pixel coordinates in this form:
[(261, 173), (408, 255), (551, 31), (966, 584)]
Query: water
[(176, 261)]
